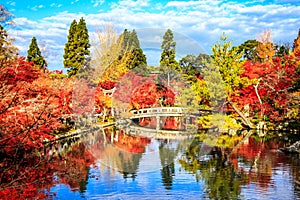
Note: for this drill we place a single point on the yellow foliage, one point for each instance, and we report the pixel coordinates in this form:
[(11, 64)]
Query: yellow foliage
[(296, 44), (222, 140), (265, 49), (223, 122)]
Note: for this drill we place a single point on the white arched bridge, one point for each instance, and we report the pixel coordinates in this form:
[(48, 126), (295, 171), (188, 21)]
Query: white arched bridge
[(162, 112), (167, 112)]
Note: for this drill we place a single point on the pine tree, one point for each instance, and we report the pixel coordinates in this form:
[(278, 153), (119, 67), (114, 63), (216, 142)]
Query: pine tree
[(126, 39), (167, 60), (136, 59), (134, 43), (77, 53), (130, 40), (131, 51), (34, 55)]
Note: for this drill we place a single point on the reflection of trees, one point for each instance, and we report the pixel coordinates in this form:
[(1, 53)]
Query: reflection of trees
[(258, 158), (225, 168), (167, 154), (119, 152), (222, 179), (33, 174)]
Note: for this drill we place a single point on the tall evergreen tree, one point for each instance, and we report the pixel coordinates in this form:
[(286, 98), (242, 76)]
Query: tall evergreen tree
[(167, 60), (34, 55), (126, 39), (131, 51), (134, 40), (136, 59), (130, 40), (77, 53)]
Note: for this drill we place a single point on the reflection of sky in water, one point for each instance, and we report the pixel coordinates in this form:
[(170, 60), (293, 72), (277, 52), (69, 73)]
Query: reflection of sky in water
[(147, 185), (107, 183)]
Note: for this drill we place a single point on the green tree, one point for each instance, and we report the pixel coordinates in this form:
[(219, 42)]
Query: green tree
[(130, 41), (132, 52), (228, 60), (282, 49), (192, 66), (248, 49), (77, 53), (167, 60), (136, 59), (134, 40), (34, 55)]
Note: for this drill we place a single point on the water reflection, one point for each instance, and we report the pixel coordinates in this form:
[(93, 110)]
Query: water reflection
[(109, 164)]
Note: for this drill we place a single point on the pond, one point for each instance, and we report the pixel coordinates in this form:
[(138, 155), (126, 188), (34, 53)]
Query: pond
[(110, 164)]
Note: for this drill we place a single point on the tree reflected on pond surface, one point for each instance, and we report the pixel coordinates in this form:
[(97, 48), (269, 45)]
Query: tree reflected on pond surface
[(229, 167)]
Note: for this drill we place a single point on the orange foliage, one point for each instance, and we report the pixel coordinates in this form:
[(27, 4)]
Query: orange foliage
[(265, 49)]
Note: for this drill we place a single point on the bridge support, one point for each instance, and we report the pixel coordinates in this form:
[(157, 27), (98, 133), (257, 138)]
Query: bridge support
[(158, 126)]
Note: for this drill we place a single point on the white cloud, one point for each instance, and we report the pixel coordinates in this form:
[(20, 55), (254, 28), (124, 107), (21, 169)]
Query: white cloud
[(55, 5), (97, 2), (37, 7), (130, 4), (11, 3), (202, 21)]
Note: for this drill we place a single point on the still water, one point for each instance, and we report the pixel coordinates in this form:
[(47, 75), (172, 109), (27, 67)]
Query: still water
[(109, 164)]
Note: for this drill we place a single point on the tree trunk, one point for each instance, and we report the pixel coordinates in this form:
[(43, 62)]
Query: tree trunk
[(243, 117), (259, 99)]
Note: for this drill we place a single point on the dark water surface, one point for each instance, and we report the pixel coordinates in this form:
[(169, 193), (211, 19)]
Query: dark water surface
[(108, 164)]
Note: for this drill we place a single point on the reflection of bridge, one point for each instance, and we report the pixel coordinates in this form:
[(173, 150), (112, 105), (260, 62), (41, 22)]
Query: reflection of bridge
[(160, 112), (132, 129), (183, 114)]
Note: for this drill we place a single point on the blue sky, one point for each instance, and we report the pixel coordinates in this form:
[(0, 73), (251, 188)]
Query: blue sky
[(197, 25)]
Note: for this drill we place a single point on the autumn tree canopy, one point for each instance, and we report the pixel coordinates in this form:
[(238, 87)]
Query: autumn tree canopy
[(265, 49)]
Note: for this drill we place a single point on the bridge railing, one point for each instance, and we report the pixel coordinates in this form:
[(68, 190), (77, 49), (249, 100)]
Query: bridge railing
[(158, 110)]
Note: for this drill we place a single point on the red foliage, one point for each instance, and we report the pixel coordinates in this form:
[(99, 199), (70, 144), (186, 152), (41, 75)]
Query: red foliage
[(35, 175), (30, 107), (151, 95), (107, 85), (128, 84), (83, 98), (133, 144), (56, 72), (274, 80), (260, 155)]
